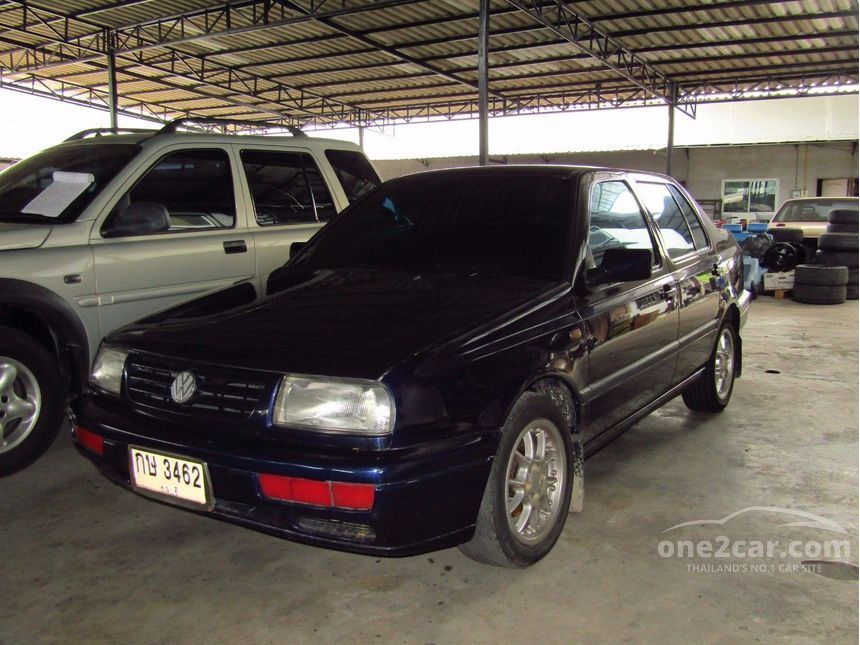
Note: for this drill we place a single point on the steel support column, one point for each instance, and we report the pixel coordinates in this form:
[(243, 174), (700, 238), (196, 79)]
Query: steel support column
[(112, 90), (483, 82), (670, 141)]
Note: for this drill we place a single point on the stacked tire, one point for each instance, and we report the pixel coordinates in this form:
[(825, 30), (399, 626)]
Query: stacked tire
[(816, 284), (839, 246)]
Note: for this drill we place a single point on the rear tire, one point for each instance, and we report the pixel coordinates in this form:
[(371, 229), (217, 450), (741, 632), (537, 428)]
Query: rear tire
[(712, 391), (527, 497), (31, 400), (819, 295)]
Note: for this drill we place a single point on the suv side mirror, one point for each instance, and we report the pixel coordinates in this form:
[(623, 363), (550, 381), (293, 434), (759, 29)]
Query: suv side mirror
[(620, 264), (295, 248), (140, 218)]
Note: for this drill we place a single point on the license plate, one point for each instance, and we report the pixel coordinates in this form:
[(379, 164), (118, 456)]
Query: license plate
[(177, 480)]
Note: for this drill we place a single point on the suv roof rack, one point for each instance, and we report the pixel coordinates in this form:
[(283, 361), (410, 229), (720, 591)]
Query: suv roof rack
[(173, 126), (100, 132)]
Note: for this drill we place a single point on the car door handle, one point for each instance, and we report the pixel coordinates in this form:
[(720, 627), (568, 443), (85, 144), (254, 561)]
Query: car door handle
[(716, 270), (668, 291), (235, 246)]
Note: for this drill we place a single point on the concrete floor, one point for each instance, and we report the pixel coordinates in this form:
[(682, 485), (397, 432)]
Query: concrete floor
[(84, 561)]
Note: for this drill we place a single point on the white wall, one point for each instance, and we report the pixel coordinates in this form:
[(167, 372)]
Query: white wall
[(702, 169)]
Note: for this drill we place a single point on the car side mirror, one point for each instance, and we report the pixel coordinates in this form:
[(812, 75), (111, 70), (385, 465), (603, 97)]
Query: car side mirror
[(295, 248), (140, 218), (620, 264)]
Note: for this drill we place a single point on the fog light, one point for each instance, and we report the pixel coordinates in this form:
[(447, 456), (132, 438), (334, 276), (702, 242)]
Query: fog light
[(90, 440), (357, 497)]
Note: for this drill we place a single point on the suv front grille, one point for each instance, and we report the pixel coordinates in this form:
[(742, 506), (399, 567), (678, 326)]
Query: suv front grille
[(221, 393)]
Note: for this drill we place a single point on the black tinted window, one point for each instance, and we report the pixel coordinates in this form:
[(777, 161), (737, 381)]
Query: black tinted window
[(616, 221), (699, 237), (354, 172), (195, 186), (21, 183), (674, 230), (286, 187), (465, 225)]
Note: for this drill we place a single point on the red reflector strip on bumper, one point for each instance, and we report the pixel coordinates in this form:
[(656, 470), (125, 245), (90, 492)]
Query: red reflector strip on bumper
[(90, 440), (317, 493)]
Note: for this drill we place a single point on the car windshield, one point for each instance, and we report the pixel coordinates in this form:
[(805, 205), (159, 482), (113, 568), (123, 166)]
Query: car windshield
[(495, 224), (812, 211), (58, 184)]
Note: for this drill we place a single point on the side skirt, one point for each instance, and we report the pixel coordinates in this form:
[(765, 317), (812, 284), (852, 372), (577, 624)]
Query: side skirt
[(605, 437)]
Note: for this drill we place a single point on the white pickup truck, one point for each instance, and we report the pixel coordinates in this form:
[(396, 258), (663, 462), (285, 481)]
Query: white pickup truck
[(108, 227)]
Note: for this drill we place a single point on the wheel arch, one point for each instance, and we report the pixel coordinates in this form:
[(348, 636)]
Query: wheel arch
[(51, 321)]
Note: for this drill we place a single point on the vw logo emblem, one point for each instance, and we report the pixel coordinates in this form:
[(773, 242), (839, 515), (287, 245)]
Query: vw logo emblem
[(183, 387)]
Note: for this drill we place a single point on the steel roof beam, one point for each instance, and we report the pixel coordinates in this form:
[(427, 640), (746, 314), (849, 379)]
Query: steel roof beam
[(246, 83), (602, 46)]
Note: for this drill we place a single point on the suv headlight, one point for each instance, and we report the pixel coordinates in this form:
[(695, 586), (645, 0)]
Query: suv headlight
[(334, 405), (106, 374)]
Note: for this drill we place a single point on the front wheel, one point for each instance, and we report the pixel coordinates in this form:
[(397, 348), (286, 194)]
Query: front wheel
[(527, 497), (713, 389), (31, 400)]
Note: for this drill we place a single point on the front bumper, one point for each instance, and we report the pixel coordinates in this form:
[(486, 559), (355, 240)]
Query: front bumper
[(426, 498)]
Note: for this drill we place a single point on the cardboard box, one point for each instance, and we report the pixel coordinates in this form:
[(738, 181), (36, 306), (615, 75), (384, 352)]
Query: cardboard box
[(781, 280)]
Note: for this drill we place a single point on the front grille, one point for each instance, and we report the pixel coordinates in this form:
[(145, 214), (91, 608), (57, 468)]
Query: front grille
[(221, 393)]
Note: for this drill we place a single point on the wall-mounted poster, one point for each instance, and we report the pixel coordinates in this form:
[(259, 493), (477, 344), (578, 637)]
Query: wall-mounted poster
[(750, 196)]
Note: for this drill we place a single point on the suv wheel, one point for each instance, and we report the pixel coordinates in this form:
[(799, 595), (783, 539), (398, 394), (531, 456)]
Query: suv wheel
[(713, 389), (31, 400), (527, 496)]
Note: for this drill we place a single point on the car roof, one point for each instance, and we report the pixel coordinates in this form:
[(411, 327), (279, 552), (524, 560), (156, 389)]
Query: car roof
[(194, 138), (556, 170)]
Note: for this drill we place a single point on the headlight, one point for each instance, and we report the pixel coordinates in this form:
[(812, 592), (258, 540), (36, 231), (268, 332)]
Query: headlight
[(334, 405), (106, 374)]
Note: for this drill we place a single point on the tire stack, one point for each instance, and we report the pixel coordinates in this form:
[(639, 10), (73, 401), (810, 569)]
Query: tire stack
[(816, 284), (839, 246)]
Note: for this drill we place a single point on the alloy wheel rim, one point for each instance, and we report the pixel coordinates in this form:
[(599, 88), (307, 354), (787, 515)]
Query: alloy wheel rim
[(724, 364), (20, 402), (535, 477)]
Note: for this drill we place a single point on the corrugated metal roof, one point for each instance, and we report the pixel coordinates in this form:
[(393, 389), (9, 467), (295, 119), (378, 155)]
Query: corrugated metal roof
[(364, 61)]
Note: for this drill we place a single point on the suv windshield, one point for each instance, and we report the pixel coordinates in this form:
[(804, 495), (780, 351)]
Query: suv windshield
[(812, 211), (465, 225), (58, 184)]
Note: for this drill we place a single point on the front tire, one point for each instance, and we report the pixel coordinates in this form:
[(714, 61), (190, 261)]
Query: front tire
[(712, 391), (527, 497), (31, 400)]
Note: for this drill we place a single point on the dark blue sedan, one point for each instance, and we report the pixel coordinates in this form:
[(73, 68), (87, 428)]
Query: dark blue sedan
[(433, 367)]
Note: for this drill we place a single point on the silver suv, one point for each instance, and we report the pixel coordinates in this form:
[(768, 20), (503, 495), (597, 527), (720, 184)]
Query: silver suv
[(107, 228)]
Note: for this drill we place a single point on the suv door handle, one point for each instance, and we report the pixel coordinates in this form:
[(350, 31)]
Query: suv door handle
[(235, 246), (668, 291)]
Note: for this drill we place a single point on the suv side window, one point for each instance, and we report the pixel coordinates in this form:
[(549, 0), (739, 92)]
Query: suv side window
[(676, 234), (286, 187), (617, 220), (195, 186), (699, 237), (354, 172)]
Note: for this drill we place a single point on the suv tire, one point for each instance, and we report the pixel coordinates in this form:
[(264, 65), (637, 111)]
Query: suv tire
[(31, 400), (712, 391), (498, 539), (817, 274)]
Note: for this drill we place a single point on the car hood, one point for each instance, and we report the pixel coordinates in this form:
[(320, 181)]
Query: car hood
[(345, 323), (22, 236)]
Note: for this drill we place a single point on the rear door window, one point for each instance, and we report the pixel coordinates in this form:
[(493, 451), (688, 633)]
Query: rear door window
[(354, 172), (699, 237), (286, 187), (676, 234), (617, 221)]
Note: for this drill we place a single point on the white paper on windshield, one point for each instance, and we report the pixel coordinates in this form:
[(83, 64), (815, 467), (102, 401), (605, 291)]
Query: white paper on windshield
[(65, 189)]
